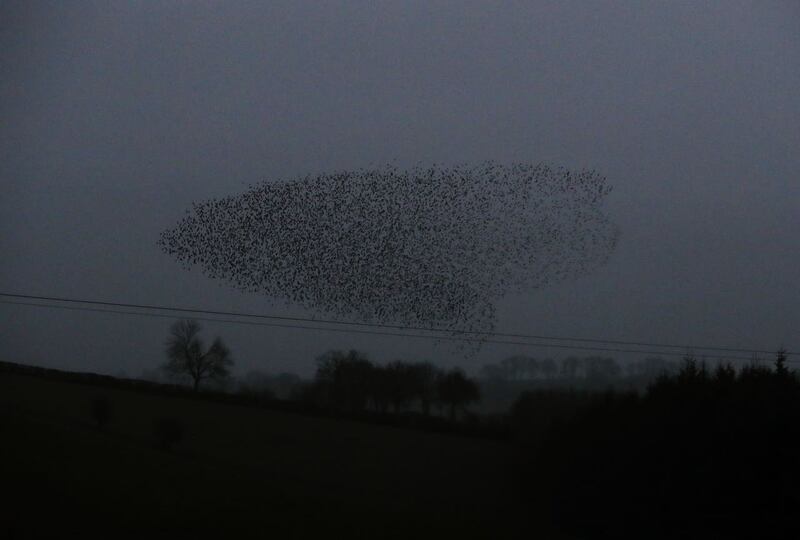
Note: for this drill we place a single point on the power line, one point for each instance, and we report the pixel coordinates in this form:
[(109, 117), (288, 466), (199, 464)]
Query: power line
[(380, 333), (390, 326)]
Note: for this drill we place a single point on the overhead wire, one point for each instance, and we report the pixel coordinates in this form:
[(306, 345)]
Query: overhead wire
[(392, 326), (40, 304)]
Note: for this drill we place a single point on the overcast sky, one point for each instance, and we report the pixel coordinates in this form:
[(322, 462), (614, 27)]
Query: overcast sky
[(114, 117)]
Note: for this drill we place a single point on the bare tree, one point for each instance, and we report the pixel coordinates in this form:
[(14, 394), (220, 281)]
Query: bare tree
[(186, 356)]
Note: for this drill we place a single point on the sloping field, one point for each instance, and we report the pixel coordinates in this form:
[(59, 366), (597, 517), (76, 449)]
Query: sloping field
[(240, 469)]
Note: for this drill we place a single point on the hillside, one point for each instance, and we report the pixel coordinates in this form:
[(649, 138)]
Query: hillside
[(238, 469)]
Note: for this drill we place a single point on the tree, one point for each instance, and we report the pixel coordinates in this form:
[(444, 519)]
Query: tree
[(426, 375), (400, 383), (345, 379), (404, 383), (780, 362), (186, 356), (456, 390)]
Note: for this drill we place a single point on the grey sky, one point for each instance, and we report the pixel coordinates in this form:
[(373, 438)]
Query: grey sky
[(115, 117)]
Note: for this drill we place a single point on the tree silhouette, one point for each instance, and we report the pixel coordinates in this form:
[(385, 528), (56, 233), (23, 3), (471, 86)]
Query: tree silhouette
[(402, 384), (456, 390), (346, 380), (186, 356), (425, 380), (780, 362)]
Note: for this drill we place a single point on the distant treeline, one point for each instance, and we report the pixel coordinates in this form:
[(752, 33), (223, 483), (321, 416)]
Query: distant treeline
[(345, 381), (504, 381), (349, 381), (591, 369)]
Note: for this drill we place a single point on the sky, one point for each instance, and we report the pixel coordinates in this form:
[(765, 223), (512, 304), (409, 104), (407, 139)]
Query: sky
[(116, 116)]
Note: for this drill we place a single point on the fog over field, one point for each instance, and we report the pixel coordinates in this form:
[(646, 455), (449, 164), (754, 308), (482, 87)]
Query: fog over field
[(117, 117)]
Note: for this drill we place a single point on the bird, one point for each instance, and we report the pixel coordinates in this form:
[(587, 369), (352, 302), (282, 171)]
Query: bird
[(429, 245)]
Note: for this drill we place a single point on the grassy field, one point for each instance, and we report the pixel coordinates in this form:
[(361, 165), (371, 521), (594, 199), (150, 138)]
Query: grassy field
[(241, 469)]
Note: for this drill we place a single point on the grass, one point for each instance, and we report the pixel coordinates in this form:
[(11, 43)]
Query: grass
[(239, 469)]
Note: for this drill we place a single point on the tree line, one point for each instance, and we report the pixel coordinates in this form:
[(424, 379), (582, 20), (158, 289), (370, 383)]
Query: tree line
[(351, 382), (344, 380), (599, 369)]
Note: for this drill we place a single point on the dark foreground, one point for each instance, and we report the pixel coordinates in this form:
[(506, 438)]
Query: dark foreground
[(702, 454), (70, 468)]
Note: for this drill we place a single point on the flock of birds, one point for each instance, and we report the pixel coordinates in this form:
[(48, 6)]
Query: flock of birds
[(433, 247)]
